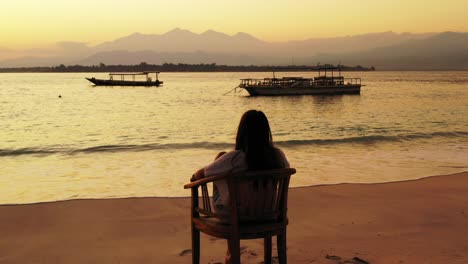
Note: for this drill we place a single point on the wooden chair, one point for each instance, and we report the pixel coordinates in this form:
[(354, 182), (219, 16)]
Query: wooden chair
[(258, 209)]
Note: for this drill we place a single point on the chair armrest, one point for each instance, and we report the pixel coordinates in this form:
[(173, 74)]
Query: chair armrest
[(242, 174), (206, 180), (206, 208)]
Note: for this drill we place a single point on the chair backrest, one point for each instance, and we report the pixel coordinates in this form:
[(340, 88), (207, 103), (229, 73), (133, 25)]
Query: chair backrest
[(258, 196)]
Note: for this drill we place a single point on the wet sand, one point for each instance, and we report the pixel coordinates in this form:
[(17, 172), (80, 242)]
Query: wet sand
[(420, 221)]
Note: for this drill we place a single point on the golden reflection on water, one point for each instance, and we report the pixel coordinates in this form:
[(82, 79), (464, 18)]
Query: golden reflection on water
[(139, 141)]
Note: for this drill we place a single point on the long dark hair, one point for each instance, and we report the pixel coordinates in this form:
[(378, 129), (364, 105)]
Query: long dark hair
[(255, 140)]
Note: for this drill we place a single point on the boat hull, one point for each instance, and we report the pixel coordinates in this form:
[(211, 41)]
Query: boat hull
[(310, 90), (123, 83)]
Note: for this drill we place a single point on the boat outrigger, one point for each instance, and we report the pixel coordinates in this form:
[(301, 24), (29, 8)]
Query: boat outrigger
[(147, 81), (322, 84)]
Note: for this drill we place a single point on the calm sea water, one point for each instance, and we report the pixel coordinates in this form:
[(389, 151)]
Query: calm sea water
[(96, 142)]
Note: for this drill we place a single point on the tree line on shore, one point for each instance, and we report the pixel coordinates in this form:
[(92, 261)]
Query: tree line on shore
[(181, 67)]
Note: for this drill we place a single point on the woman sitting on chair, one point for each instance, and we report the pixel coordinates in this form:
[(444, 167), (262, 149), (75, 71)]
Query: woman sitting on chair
[(254, 151)]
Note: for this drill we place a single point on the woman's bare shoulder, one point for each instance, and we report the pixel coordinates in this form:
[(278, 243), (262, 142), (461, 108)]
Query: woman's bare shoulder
[(279, 150), (283, 157)]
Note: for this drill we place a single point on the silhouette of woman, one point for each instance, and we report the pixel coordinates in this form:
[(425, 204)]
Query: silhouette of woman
[(254, 150)]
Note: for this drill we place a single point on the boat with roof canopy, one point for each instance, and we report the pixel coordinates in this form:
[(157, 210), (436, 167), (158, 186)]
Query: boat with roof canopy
[(119, 79), (323, 84)]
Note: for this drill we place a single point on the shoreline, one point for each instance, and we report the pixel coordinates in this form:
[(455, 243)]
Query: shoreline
[(188, 197), (409, 221)]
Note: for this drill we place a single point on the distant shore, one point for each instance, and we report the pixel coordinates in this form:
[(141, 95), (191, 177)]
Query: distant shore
[(416, 221), (180, 67)]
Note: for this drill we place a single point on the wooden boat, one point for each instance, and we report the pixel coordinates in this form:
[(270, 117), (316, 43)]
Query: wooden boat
[(322, 84), (147, 80)]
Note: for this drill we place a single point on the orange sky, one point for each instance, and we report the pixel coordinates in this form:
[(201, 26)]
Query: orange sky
[(28, 24)]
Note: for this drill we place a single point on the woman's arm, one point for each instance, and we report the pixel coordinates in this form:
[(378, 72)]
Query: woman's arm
[(201, 172)]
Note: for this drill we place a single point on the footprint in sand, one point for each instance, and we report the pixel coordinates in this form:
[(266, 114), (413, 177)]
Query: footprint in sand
[(243, 250), (185, 252), (354, 260)]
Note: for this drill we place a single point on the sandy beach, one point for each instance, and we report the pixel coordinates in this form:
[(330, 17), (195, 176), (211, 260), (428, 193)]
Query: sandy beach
[(419, 221)]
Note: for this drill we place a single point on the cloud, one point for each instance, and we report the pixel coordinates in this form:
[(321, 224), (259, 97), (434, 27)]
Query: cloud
[(68, 49), (72, 45), (7, 53), (72, 49), (4, 49)]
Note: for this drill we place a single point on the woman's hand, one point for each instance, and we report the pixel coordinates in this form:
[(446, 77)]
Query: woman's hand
[(198, 175), (220, 154)]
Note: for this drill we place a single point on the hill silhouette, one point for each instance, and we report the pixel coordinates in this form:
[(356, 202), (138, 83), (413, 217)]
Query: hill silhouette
[(384, 50), (445, 51)]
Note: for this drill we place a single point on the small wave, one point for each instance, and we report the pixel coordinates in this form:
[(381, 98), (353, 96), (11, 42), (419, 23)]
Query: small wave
[(146, 147), (332, 141), (25, 151), (113, 148), (222, 145), (373, 139), (450, 81)]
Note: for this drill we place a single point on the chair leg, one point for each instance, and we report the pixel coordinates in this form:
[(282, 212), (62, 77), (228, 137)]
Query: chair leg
[(195, 246), (281, 243), (234, 250), (228, 257), (267, 250)]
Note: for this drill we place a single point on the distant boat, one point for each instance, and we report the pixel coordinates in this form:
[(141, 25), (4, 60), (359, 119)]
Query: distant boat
[(320, 85), (147, 81)]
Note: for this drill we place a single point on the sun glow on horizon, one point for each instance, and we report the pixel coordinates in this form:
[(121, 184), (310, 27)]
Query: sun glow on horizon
[(28, 24)]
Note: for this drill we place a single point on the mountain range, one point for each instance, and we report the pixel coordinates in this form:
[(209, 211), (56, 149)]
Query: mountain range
[(384, 50)]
